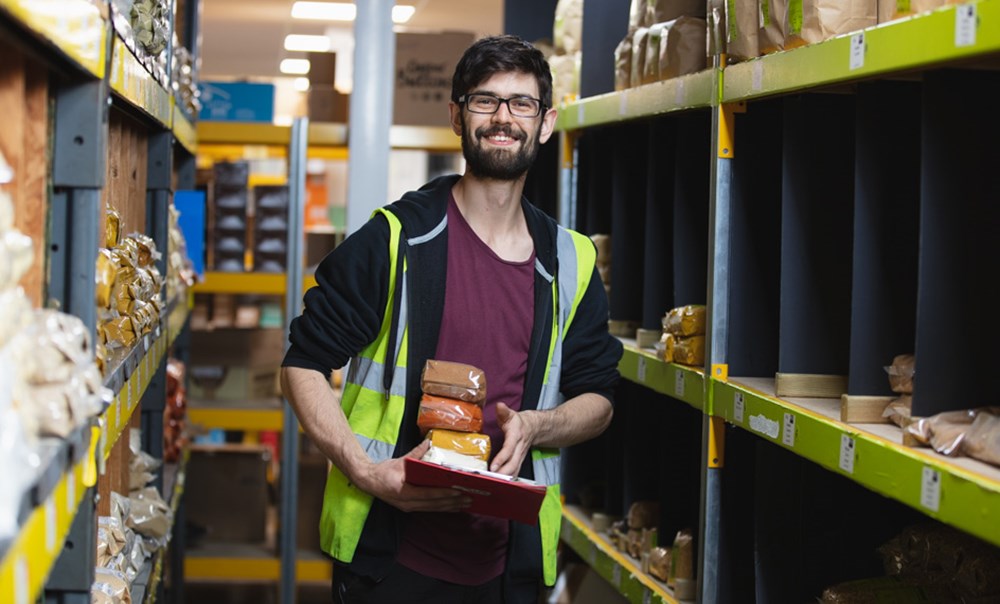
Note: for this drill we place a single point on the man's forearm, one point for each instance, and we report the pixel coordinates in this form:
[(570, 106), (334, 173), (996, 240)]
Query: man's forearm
[(323, 420), (576, 420)]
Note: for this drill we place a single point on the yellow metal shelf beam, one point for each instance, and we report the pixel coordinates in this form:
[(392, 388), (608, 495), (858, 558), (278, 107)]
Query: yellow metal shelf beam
[(265, 284), (75, 27)]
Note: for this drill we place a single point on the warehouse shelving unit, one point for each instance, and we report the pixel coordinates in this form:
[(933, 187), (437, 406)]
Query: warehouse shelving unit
[(826, 280), (68, 51)]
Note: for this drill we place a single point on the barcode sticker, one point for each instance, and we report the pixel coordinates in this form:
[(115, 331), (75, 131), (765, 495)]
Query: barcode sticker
[(847, 453), (593, 554), (857, 51), (679, 96), (757, 76), (71, 491), (788, 432), (21, 582), (738, 407), (616, 576), (679, 384), (579, 114), (50, 524), (641, 370), (966, 23), (647, 596), (623, 103), (930, 489)]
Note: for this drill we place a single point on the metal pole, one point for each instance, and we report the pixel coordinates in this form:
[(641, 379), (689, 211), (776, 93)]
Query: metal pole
[(293, 306), (371, 111)]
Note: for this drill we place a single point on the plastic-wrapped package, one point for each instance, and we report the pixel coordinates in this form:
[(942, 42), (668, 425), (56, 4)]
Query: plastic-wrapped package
[(18, 462), (16, 257), (59, 345), (454, 380), (944, 431), (15, 313), (450, 414), (682, 563), (151, 516), (567, 30), (901, 373), (899, 411), (147, 249), (141, 470), (101, 593), (983, 439), (643, 515), (690, 350), (115, 584), (659, 563), (665, 347), (639, 48), (114, 532), (112, 227), (687, 320), (107, 271), (448, 457), (466, 443), (119, 332), (623, 64)]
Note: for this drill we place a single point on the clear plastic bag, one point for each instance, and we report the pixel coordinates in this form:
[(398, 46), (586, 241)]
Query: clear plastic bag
[(151, 516), (685, 320), (901, 373), (454, 380), (466, 443), (449, 414), (114, 583)]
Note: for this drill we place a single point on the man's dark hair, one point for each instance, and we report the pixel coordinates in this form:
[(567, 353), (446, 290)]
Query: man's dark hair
[(501, 54)]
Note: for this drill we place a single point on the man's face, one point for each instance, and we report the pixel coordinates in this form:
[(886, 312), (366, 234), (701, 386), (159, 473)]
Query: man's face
[(502, 146)]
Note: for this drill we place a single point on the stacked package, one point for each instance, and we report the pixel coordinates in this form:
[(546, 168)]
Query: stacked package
[(175, 412), (227, 241), (128, 294), (180, 271), (184, 82), (665, 39), (138, 527), (890, 10), (270, 228), (144, 25), (683, 339), (451, 415), (567, 38), (733, 27)]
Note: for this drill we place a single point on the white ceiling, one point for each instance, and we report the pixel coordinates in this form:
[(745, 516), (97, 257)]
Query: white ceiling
[(244, 39)]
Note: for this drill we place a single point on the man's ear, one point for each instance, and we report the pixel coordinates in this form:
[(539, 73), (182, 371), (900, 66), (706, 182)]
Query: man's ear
[(455, 111), (548, 125)]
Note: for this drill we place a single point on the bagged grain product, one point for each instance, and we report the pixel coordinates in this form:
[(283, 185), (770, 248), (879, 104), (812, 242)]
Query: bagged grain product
[(812, 21), (659, 11), (659, 563), (565, 77), (899, 411), (454, 380), (466, 443), (690, 350), (449, 414), (623, 66), (982, 441), (682, 47), (638, 55), (742, 25), (901, 373), (643, 515), (689, 320), (567, 30), (651, 66), (889, 10), (771, 15)]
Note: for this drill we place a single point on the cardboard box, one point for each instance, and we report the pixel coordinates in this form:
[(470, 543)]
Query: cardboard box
[(231, 382), (328, 105), (492, 494), (322, 69), (226, 492), (246, 347), (425, 64)]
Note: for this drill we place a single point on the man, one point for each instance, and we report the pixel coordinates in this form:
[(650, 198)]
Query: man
[(462, 270)]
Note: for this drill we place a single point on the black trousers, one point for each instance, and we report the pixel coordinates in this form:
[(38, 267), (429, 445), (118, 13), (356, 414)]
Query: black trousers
[(404, 586)]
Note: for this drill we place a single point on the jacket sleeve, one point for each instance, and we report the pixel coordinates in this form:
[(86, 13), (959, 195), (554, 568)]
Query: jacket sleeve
[(590, 353), (343, 312)]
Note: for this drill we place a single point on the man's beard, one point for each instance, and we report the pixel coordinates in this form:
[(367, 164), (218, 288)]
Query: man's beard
[(499, 163)]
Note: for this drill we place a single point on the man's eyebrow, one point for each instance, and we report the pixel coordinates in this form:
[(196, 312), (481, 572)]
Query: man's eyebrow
[(492, 93)]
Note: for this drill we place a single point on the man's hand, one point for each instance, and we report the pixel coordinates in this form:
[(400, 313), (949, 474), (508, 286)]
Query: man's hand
[(518, 434), (385, 481)]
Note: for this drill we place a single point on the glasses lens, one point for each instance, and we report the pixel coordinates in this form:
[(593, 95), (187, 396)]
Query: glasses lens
[(481, 103), (523, 106), (520, 106)]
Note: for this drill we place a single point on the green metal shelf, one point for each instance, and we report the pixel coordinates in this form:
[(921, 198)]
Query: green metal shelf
[(643, 367), (686, 92), (961, 492), (917, 42), (75, 27), (621, 571)]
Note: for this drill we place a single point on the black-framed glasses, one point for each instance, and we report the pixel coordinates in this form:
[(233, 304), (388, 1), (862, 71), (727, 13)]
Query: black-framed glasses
[(519, 106)]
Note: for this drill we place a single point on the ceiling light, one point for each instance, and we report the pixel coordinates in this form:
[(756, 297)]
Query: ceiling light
[(295, 66), (342, 11), (301, 84), (302, 43)]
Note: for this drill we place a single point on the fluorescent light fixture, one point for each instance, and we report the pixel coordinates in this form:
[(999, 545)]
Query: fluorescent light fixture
[(301, 84), (401, 13), (342, 11), (295, 66), (303, 43)]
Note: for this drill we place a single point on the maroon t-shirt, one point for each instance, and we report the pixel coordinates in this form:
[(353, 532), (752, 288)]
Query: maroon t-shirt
[(488, 315)]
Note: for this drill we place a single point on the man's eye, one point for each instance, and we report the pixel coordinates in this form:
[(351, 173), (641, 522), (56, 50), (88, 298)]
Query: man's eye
[(483, 101), (523, 104)]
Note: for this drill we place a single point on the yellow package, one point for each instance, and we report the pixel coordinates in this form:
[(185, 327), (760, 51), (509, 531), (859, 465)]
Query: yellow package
[(466, 443), (119, 332), (690, 350), (125, 291), (665, 347), (112, 228), (128, 252), (106, 271), (685, 320), (146, 248)]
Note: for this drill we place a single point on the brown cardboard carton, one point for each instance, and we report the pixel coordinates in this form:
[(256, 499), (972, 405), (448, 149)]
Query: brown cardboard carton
[(425, 63), (328, 105), (322, 69)]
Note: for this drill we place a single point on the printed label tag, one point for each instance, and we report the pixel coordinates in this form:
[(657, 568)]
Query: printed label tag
[(623, 103), (757, 76), (579, 115), (71, 491), (930, 489), (616, 576), (679, 384), (847, 453), (593, 554), (857, 51), (647, 596), (679, 96), (641, 369), (21, 582), (788, 434), (966, 22), (50, 524), (738, 407)]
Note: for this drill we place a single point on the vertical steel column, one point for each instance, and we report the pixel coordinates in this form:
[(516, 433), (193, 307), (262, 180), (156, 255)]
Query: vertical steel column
[(293, 306), (79, 156), (371, 111), (567, 179)]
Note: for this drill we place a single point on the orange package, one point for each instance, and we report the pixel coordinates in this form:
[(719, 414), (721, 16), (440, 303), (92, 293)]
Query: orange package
[(450, 414)]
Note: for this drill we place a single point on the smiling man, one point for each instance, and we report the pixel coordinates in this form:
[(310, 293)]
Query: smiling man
[(464, 270)]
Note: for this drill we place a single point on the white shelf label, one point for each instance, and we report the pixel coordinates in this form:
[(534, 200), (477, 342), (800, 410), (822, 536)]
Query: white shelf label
[(623, 103), (757, 76), (616, 576), (788, 434), (847, 453), (966, 22), (738, 407), (679, 384), (769, 427), (857, 51), (593, 554), (641, 369), (679, 96), (71, 491), (647, 596), (50, 524), (930, 489), (21, 581), (118, 406), (579, 114)]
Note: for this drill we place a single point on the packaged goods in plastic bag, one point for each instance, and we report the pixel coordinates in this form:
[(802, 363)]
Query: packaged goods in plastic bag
[(16, 257), (101, 593), (59, 345), (450, 414), (151, 516), (466, 443), (565, 77), (899, 411), (15, 313), (18, 462), (665, 347), (944, 431), (681, 48), (453, 458), (643, 514), (690, 350), (901, 373), (147, 253), (454, 380), (659, 563), (685, 320), (682, 563), (742, 25), (567, 30), (983, 439), (114, 533), (623, 64), (770, 37), (639, 48), (812, 21), (113, 583), (112, 228), (119, 332)]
